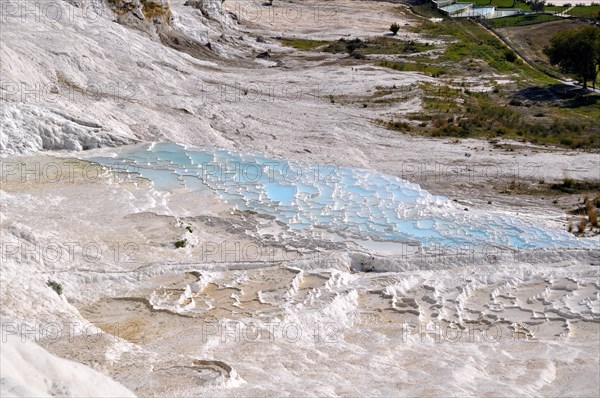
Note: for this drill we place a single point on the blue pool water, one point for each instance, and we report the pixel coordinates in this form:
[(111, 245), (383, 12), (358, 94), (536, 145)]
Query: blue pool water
[(363, 203)]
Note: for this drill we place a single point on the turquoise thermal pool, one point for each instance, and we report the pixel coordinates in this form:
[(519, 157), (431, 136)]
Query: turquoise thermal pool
[(352, 202)]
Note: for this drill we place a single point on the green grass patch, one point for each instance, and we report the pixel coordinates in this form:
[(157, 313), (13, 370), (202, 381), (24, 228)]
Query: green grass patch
[(376, 45), (591, 110), (497, 3), (387, 45), (522, 20), (519, 5), (554, 8), (451, 112), (468, 41), (487, 48), (516, 4), (585, 11), (304, 44), (428, 69), (485, 118)]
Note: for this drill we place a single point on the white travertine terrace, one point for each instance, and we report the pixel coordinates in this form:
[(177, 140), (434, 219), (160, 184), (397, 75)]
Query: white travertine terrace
[(348, 201)]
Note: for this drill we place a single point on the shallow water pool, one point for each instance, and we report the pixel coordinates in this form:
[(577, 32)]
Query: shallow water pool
[(358, 202)]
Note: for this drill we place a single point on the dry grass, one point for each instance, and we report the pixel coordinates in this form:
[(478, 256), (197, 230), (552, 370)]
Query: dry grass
[(590, 209), (156, 10), (593, 217), (581, 226), (588, 214)]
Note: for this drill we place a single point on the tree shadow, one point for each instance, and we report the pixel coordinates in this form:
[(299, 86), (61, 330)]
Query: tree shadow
[(566, 95)]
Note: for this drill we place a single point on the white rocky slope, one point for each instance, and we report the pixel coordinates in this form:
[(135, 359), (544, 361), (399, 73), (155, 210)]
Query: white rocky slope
[(77, 74), (30, 371)]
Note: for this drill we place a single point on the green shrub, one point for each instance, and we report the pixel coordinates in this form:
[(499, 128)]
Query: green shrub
[(566, 141), (568, 182), (343, 45), (181, 243), (394, 28), (510, 56), (399, 126), (57, 287)]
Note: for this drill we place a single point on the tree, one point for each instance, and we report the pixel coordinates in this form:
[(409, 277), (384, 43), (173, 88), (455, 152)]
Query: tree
[(576, 52), (394, 27), (537, 5)]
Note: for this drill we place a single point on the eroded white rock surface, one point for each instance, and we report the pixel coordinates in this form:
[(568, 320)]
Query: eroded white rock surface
[(239, 311)]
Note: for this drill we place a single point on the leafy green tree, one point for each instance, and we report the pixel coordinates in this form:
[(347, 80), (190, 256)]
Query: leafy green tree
[(394, 28), (538, 5), (576, 52)]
